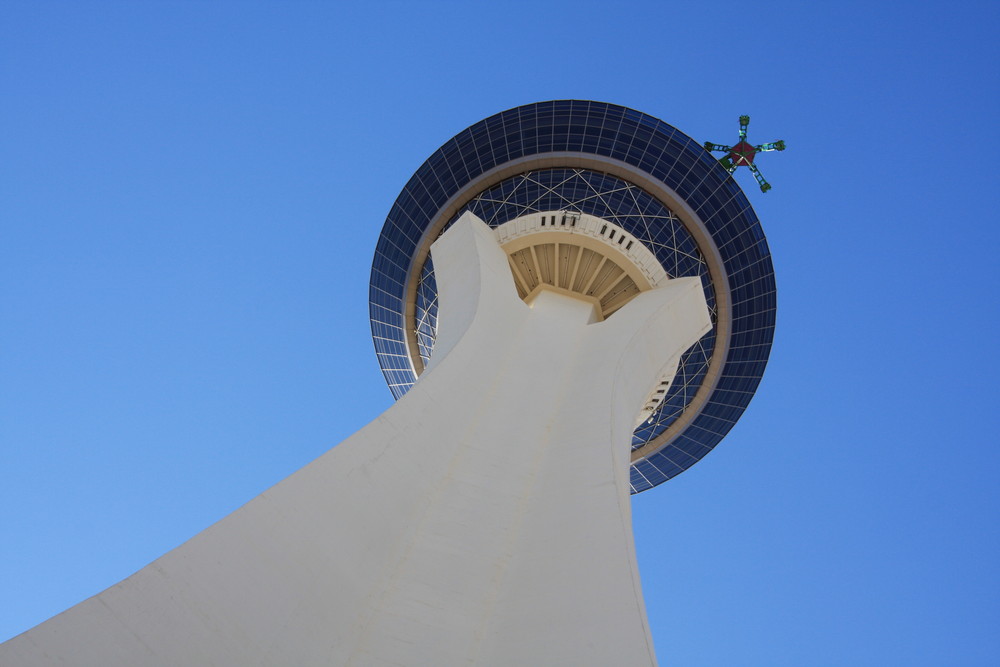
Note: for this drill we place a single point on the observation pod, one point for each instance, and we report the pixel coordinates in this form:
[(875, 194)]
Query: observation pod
[(657, 188)]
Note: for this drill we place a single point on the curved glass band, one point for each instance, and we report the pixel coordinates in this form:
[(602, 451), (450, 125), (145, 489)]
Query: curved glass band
[(649, 147)]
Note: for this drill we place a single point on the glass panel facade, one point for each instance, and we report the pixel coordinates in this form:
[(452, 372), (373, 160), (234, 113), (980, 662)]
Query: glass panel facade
[(647, 144)]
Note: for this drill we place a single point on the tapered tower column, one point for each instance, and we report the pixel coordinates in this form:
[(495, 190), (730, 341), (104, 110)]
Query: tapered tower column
[(482, 519), (596, 330)]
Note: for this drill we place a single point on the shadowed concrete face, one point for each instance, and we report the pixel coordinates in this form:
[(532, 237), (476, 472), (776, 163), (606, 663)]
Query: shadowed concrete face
[(482, 519)]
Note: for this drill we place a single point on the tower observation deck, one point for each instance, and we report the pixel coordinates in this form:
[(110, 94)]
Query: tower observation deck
[(656, 188)]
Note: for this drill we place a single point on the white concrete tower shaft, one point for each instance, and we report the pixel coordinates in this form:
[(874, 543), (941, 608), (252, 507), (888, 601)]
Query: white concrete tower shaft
[(484, 519)]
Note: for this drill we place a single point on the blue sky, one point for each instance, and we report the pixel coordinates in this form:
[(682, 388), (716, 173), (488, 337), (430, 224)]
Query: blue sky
[(190, 195)]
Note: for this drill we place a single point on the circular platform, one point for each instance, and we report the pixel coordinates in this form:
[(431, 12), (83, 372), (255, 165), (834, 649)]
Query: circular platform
[(640, 174)]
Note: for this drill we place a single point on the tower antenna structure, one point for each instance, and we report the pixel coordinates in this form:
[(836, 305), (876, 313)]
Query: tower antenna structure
[(743, 153)]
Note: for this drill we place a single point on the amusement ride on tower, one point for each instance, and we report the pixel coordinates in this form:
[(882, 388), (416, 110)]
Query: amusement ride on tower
[(743, 153)]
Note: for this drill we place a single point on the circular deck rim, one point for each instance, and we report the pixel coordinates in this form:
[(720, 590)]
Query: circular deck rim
[(641, 150)]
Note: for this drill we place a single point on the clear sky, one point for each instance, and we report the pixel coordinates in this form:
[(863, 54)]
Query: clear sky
[(190, 196)]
